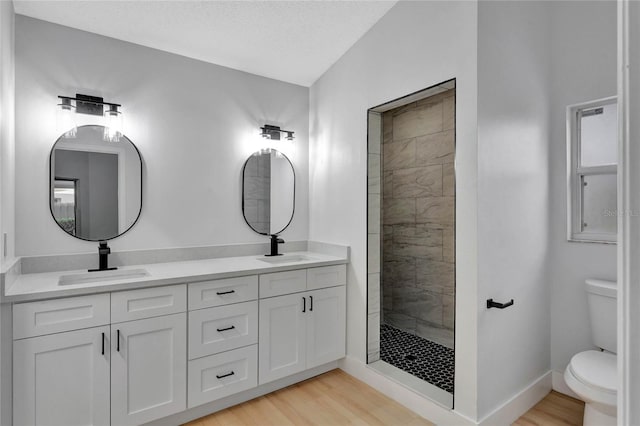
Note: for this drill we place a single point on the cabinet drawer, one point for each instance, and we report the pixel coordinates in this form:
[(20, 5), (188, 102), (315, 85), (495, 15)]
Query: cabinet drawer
[(148, 302), (54, 316), (326, 276), (280, 283), (217, 376), (223, 328), (207, 294)]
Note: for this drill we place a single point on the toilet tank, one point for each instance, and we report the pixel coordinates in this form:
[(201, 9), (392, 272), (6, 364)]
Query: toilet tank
[(601, 298)]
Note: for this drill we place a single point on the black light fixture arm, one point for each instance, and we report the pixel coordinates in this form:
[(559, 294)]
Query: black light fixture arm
[(84, 98), (273, 132), (85, 104)]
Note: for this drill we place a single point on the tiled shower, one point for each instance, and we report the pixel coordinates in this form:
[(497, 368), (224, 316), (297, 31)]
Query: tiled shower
[(412, 235)]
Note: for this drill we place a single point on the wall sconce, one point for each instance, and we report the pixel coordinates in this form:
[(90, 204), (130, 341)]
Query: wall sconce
[(91, 105), (273, 132)]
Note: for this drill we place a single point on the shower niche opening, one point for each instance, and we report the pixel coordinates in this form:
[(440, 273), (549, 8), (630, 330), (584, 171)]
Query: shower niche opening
[(411, 240)]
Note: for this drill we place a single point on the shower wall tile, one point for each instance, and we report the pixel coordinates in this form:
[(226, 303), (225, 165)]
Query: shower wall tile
[(388, 183), (448, 112), (374, 133), (449, 244), (418, 234), (373, 214), (418, 303), (374, 174), (435, 276), (398, 210), (418, 182), (400, 321), (373, 293), (435, 210), (373, 251), (448, 311), (373, 335), (418, 122), (387, 298), (403, 109), (436, 334), (387, 128), (448, 180), (399, 154), (399, 271), (435, 149)]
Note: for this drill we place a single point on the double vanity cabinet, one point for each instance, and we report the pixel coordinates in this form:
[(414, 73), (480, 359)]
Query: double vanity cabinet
[(135, 356)]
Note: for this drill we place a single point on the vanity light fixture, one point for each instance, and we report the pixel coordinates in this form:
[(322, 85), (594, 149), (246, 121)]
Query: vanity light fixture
[(273, 132), (91, 105)]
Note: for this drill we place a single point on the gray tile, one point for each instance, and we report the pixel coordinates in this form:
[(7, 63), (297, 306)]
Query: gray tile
[(399, 154), (449, 244), (387, 127), (418, 122), (403, 108), (449, 113), (418, 303), (417, 182), (400, 210), (373, 178), (399, 271), (438, 148), (400, 321), (387, 297), (374, 133), (448, 311), (435, 276), (417, 241), (373, 243), (373, 332), (373, 356), (373, 293), (387, 188), (436, 210), (373, 214), (448, 180), (439, 335)]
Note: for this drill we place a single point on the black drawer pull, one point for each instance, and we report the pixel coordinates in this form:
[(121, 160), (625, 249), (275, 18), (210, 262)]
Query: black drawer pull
[(118, 340), (225, 375), (226, 328), (220, 293), (310, 303), (102, 343), (304, 305), (492, 304)]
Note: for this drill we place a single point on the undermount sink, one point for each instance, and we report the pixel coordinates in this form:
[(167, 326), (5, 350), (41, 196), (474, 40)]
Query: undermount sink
[(291, 258), (93, 277)]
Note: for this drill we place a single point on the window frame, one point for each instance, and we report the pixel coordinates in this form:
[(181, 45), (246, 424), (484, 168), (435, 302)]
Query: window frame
[(576, 172)]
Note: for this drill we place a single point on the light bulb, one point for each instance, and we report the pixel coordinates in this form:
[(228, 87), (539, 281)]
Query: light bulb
[(113, 124), (66, 119)]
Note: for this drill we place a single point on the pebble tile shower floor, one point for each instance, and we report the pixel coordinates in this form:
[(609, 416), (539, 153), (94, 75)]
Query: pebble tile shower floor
[(420, 357)]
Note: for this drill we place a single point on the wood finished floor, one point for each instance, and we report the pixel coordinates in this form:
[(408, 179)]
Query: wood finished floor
[(335, 398)]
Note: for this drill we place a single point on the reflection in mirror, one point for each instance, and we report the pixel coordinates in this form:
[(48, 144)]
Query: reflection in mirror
[(268, 192), (96, 186)]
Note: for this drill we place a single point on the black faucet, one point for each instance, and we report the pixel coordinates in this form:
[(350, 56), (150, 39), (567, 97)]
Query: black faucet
[(274, 245), (103, 254)]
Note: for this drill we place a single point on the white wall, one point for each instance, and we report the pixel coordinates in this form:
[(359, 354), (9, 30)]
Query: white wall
[(7, 129), (513, 193), (414, 46), (583, 69), (194, 123)]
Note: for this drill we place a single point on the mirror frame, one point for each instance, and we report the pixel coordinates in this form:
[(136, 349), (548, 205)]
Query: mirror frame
[(293, 211), (52, 179)]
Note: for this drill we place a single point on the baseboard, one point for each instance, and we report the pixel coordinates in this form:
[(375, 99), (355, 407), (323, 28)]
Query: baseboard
[(415, 402), (519, 404), (559, 385)]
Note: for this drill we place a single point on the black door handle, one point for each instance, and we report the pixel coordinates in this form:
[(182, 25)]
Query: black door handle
[(225, 375), (220, 293), (118, 340), (304, 305), (226, 328), (310, 303), (102, 343), (492, 304)]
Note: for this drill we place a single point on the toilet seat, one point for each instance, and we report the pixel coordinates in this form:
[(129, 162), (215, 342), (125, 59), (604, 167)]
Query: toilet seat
[(593, 375)]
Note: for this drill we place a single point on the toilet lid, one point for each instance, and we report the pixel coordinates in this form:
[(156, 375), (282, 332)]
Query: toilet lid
[(596, 369)]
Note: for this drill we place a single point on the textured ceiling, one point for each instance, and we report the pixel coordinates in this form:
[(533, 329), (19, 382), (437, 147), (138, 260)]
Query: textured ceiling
[(293, 41)]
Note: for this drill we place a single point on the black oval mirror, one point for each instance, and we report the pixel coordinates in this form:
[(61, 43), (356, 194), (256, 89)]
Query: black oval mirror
[(268, 192), (95, 185)]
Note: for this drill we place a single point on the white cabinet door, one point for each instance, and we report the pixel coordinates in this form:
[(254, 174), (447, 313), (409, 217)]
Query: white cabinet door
[(62, 379), (148, 369), (326, 325), (282, 348)]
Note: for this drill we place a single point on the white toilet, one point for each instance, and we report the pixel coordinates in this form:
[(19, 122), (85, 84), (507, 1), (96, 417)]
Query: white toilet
[(592, 375)]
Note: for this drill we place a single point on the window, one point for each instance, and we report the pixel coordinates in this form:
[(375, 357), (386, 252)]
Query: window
[(592, 164)]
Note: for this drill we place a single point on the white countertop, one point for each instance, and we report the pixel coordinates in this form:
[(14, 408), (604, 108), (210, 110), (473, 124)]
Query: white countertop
[(45, 285)]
